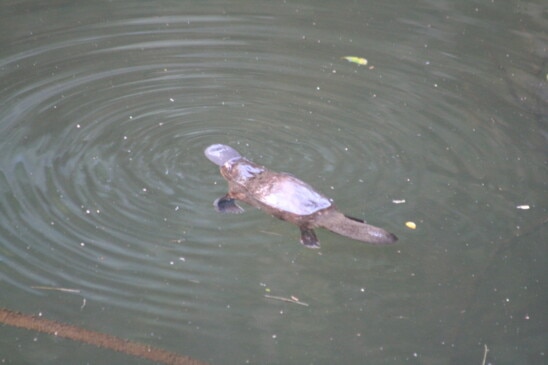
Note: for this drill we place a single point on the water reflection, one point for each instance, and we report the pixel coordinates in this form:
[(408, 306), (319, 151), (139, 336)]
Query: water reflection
[(105, 113)]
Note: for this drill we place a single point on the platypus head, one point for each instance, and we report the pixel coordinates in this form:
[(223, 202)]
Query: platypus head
[(234, 167)]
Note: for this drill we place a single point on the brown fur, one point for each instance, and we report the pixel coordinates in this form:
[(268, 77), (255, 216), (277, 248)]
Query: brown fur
[(258, 179)]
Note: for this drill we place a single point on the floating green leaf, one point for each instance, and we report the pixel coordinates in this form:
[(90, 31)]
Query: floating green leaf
[(358, 60)]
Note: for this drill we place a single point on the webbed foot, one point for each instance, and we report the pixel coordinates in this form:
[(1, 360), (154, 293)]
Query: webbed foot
[(308, 238), (226, 204)]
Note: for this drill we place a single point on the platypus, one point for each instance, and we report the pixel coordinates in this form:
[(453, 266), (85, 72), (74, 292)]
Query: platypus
[(286, 197)]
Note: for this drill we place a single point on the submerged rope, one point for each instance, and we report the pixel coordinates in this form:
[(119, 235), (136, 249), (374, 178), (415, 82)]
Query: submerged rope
[(98, 339)]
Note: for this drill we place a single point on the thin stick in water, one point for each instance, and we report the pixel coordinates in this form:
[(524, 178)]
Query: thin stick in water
[(284, 299), (485, 351)]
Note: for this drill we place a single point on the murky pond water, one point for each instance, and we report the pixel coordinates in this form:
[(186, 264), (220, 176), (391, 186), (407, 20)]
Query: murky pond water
[(106, 108)]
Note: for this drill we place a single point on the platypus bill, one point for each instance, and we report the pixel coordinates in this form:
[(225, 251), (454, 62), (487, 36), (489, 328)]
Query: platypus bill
[(286, 197)]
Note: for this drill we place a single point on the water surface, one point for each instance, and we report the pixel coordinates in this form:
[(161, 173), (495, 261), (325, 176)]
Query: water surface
[(107, 107)]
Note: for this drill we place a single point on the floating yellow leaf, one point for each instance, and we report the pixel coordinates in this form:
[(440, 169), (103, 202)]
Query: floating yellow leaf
[(358, 60), (410, 225)]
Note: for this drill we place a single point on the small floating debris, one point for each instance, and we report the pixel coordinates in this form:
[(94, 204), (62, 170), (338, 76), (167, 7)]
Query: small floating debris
[(65, 290), (485, 351), (411, 225), (293, 299), (357, 60), (398, 201), (523, 207)]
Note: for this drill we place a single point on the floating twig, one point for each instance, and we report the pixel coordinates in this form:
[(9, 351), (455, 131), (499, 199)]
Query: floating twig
[(66, 290), (284, 299), (485, 351)]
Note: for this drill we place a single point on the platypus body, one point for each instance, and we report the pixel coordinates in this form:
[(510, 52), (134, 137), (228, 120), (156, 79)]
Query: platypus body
[(286, 197)]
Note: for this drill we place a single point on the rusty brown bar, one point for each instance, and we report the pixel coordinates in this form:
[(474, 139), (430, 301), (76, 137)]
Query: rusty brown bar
[(98, 339)]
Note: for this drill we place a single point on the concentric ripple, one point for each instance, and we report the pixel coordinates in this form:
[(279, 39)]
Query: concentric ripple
[(102, 149)]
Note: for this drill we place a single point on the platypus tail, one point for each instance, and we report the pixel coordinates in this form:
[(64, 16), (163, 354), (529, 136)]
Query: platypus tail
[(355, 228)]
